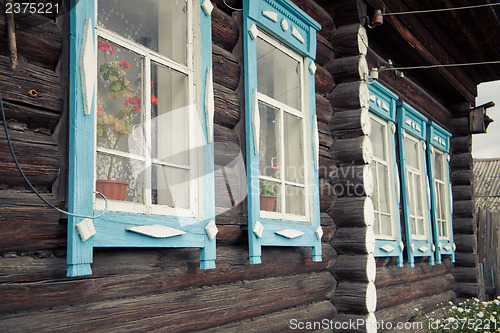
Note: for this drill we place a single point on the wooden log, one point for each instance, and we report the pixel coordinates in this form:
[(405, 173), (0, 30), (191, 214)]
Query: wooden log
[(34, 118), (224, 30), (37, 154), (355, 268), (228, 5), (350, 40), (461, 144), (325, 140), (464, 226), (462, 177), (466, 274), (352, 180), (463, 209), (324, 109), (355, 323), (466, 290), (323, 152), (465, 243), (350, 96), (326, 166), (323, 80), (38, 40), (353, 151), (349, 69), (461, 161), (459, 126), (317, 13), (355, 297), (357, 120), (30, 85), (326, 194), (324, 50), (295, 318), (392, 275), (28, 224), (391, 296), (354, 240), (227, 145), (347, 11), (227, 106), (211, 306), (466, 259), (349, 212), (226, 68), (462, 192)]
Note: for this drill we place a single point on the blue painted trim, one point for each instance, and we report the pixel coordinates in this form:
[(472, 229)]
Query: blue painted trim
[(111, 229), (378, 96), (252, 14), (439, 138), (414, 124)]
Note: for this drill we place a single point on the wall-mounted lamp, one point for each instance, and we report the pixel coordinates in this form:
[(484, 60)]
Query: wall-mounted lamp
[(478, 119)]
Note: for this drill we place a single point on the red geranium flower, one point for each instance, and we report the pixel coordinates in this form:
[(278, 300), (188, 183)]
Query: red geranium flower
[(106, 47), (154, 100), (124, 64), (99, 110)]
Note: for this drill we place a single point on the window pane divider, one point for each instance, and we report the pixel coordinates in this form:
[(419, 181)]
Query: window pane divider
[(120, 154)]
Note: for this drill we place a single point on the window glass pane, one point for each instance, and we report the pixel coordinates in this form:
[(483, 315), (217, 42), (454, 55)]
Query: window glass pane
[(294, 150), (270, 141), (158, 25), (377, 136), (170, 186), (421, 227), (411, 152), (385, 225), (270, 196), (170, 115), (413, 226), (438, 201), (295, 200), (278, 74), (113, 167), (418, 195), (375, 196), (442, 201), (119, 99), (438, 165), (444, 229), (383, 183), (376, 225)]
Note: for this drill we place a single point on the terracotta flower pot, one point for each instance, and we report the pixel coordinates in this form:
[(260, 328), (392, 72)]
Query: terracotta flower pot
[(267, 202), (112, 189)]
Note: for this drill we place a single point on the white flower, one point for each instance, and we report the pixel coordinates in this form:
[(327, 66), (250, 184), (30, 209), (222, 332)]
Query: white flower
[(453, 307), (477, 300), (497, 302), (451, 319), (480, 314), (460, 310), (467, 310), (450, 302)]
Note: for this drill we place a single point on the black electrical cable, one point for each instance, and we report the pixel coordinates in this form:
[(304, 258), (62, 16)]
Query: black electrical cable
[(28, 182)]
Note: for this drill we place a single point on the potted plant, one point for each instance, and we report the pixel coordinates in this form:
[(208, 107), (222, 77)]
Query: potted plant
[(267, 195)]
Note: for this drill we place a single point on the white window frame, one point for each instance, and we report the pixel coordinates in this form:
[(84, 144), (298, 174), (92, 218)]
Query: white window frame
[(445, 184)]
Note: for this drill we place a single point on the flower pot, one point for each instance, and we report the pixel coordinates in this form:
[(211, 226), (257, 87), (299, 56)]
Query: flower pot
[(112, 189), (267, 202)]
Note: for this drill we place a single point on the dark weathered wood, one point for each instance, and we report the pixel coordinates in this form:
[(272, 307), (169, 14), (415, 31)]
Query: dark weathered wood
[(353, 151), (463, 208), (281, 321), (227, 5), (323, 80), (324, 109), (352, 180), (466, 290), (317, 13), (34, 118), (465, 243), (325, 139), (464, 225), (355, 268), (393, 275), (462, 192), (326, 166), (349, 69), (349, 40), (462, 177), (348, 322), (461, 144), (346, 12), (348, 212), (393, 295), (466, 259), (350, 96), (459, 126), (324, 50), (466, 274), (38, 40), (355, 297), (37, 155), (351, 120), (212, 306), (226, 68), (227, 145), (461, 161), (30, 85), (224, 30), (227, 106), (326, 194), (354, 240)]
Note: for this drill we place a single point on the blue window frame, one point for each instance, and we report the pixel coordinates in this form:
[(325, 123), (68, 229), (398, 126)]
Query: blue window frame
[(281, 126), (385, 197), (439, 174), (170, 198), (412, 128)]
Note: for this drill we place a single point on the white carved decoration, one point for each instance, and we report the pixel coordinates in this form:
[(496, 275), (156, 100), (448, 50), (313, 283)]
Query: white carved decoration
[(319, 233), (85, 229), (373, 98), (423, 248), (256, 122), (207, 7), (284, 25), (88, 65), (385, 106), (401, 246), (156, 231), (454, 247), (393, 127), (409, 122), (424, 145), (316, 142), (289, 233), (209, 104), (211, 229), (296, 34), (387, 248), (448, 157), (312, 68), (447, 248), (433, 248), (270, 15), (253, 31), (440, 246), (412, 247), (258, 229), (379, 102), (417, 127)]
